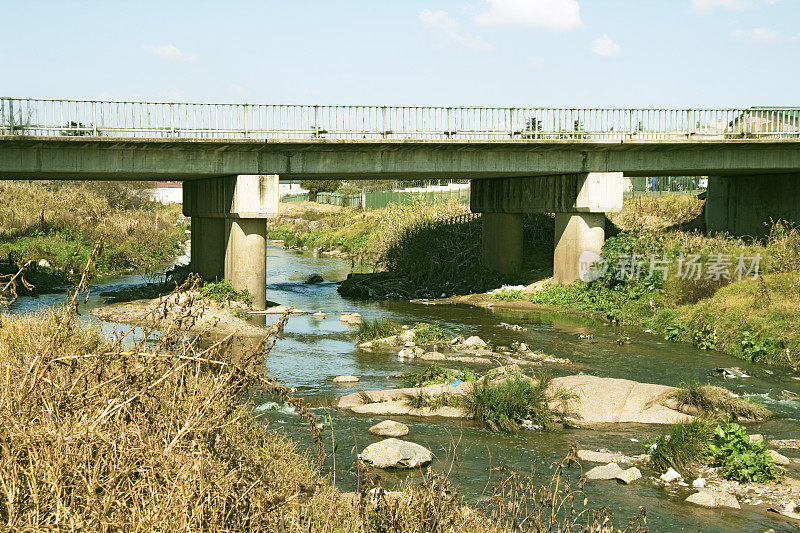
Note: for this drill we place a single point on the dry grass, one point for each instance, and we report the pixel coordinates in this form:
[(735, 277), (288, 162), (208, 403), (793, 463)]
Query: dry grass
[(657, 213), (718, 403)]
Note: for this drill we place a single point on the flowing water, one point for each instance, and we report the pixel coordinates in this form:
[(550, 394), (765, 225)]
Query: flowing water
[(313, 351)]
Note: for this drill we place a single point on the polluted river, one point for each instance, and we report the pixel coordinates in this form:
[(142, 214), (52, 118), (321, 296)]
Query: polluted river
[(313, 351)]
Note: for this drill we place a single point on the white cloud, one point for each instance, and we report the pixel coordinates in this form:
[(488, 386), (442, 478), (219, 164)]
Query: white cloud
[(449, 30), (758, 36), (537, 62), (547, 14), (604, 46), (699, 6), (170, 51)]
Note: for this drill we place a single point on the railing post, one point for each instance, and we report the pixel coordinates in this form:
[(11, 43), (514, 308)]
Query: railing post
[(94, 119), (172, 120), (315, 131), (244, 108)]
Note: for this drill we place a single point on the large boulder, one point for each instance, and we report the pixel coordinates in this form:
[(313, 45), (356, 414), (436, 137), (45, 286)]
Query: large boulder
[(473, 342), (345, 380), (714, 499), (608, 400), (389, 428), (394, 453), (609, 471)]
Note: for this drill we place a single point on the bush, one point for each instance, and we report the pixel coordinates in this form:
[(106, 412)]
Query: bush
[(504, 405), (222, 292), (685, 447), (740, 458), (425, 334), (435, 374)]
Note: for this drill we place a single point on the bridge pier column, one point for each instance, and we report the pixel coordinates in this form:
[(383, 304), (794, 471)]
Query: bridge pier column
[(502, 242), (229, 229), (576, 233), (579, 201), (743, 205)]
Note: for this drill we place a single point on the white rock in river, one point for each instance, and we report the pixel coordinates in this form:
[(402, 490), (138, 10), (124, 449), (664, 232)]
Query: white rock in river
[(345, 379), (629, 475), (394, 453), (609, 471), (389, 428), (714, 499), (473, 342), (350, 319), (699, 483), (779, 459), (670, 475)]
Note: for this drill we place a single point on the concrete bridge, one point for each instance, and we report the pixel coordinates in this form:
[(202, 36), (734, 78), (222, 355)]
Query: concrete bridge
[(568, 161)]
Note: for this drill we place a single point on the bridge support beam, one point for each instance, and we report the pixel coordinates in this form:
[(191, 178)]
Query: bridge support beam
[(229, 229), (744, 205), (579, 201)]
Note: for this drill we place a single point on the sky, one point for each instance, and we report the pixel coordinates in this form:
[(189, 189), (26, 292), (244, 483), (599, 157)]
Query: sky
[(581, 53)]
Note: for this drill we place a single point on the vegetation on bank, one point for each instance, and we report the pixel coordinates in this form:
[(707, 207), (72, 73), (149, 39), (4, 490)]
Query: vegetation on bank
[(718, 402), (59, 223), (379, 328), (222, 292)]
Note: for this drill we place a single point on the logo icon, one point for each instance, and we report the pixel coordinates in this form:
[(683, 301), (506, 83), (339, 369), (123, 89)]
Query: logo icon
[(591, 266)]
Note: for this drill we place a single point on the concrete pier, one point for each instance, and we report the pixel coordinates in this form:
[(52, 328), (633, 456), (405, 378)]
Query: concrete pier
[(502, 242), (744, 205), (579, 201), (246, 258), (229, 229), (575, 234)]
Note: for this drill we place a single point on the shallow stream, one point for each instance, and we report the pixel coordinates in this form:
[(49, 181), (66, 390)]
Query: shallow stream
[(313, 351)]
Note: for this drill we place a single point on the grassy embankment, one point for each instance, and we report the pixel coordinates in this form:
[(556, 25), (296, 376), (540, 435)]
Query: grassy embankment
[(96, 436), (60, 223), (754, 319)]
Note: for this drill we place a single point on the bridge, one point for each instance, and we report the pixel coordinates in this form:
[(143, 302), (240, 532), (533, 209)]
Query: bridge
[(568, 161)]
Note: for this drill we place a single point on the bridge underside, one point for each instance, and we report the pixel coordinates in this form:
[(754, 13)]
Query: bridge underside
[(148, 159)]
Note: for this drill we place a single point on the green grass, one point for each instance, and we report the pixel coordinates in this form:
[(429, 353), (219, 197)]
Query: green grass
[(380, 328), (421, 400), (718, 403), (434, 374), (503, 405), (222, 292), (685, 448)]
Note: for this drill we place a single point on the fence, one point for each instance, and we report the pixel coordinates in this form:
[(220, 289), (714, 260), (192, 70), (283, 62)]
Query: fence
[(39, 116), (663, 185)]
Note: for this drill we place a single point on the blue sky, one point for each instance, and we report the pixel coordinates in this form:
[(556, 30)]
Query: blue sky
[(428, 52)]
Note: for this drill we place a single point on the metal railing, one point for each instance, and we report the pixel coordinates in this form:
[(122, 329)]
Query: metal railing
[(48, 117)]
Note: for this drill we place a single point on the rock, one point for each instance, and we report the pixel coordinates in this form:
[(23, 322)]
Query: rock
[(412, 352), (610, 457), (789, 510), (670, 475), (585, 336), (522, 347), (457, 340), (343, 380), (624, 340), (609, 471), (785, 394), (714, 499), (473, 342), (779, 459), (699, 483), (389, 428), (733, 372), (756, 437), (314, 278), (319, 315), (432, 356), (785, 443), (44, 263), (350, 319), (394, 453), (629, 475)]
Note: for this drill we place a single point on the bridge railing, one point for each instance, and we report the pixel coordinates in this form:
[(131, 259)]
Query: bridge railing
[(46, 117)]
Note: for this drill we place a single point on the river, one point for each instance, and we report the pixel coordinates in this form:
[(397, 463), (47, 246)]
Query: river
[(313, 351)]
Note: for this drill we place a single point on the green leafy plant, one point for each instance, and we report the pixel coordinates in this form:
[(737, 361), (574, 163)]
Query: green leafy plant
[(674, 332), (509, 295), (435, 374), (222, 292), (752, 347), (740, 458), (425, 334)]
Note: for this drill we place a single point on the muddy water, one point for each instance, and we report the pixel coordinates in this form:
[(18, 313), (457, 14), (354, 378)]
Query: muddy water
[(314, 351)]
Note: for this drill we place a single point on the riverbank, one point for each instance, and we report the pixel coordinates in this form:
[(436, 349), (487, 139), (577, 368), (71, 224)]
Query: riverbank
[(53, 228), (717, 292)]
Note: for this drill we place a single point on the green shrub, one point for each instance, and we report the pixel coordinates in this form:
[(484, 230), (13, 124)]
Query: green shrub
[(686, 446), (425, 334), (435, 374), (740, 458), (222, 292), (380, 328), (504, 405)]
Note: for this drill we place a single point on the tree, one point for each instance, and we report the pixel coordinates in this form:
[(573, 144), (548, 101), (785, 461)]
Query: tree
[(315, 186)]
